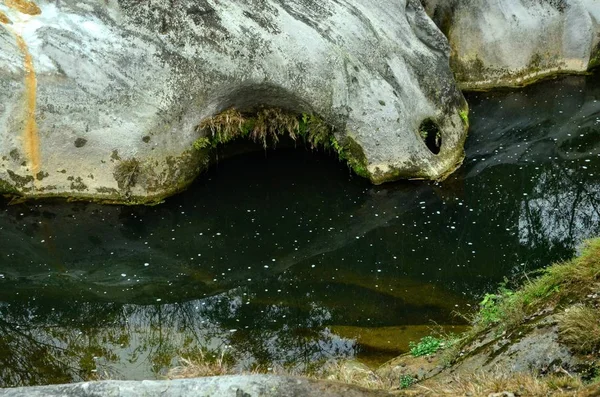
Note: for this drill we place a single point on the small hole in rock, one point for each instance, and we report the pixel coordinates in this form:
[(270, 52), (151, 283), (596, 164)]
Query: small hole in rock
[(80, 142), (431, 135)]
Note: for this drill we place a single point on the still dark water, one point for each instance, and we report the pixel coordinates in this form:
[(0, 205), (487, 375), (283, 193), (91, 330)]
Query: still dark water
[(285, 258)]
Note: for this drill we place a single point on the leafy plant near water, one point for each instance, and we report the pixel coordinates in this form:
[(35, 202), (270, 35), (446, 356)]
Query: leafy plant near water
[(407, 381), (427, 345), (508, 308), (268, 125), (490, 309), (202, 143)]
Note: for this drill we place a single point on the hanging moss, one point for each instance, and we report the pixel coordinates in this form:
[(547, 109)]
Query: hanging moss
[(264, 127), (352, 153), (7, 188), (595, 58), (268, 125)]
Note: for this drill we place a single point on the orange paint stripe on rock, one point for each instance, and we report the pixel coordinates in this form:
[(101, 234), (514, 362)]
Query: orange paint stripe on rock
[(24, 6), (31, 138), (4, 19)]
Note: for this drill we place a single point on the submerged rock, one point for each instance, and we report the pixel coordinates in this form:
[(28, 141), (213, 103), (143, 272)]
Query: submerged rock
[(103, 100), (513, 42)]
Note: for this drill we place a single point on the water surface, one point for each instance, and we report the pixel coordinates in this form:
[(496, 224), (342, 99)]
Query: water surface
[(285, 258)]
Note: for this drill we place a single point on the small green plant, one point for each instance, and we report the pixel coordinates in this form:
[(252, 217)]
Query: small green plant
[(352, 153), (427, 345), (407, 381), (490, 309), (464, 115), (202, 143), (336, 145), (494, 308)]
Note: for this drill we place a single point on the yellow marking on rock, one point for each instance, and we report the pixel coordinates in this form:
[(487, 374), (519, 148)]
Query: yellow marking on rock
[(31, 139), (24, 6), (4, 19)]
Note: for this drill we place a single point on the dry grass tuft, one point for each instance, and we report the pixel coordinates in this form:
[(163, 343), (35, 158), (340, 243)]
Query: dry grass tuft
[(273, 122), (349, 372), (224, 126), (353, 373), (579, 327), (267, 125), (485, 383), (201, 367), (346, 372), (574, 278)]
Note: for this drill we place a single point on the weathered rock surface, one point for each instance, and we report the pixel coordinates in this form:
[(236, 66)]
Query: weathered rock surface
[(218, 386), (102, 100), (512, 42), (534, 347)]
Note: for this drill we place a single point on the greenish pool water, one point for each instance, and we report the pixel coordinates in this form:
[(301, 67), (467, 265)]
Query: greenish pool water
[(284, 258)]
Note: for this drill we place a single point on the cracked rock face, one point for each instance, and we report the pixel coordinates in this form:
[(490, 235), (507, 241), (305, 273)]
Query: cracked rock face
[(513, 42), (102, 99)]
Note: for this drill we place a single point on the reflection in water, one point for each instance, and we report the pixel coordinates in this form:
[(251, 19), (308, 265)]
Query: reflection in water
[(563, 208), (285, 258)]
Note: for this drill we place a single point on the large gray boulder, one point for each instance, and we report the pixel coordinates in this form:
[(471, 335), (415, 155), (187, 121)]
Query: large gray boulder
[(217, 386), (103, 99), (513, 42)]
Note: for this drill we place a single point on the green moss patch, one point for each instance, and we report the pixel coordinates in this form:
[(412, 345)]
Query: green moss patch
[(20, 181), (352, 153), (464, 115), (595, 58), (7, 188)]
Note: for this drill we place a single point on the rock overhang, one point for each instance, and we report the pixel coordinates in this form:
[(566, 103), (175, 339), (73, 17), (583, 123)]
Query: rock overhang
[(126, 83)]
